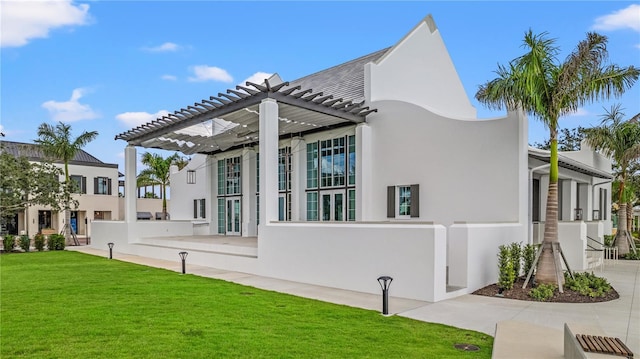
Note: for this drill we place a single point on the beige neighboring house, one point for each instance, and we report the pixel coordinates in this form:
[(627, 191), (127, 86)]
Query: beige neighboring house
[(97, 200)]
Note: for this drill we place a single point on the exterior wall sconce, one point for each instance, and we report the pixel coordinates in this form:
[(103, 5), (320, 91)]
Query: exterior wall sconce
[(578, 214), (596, 215)]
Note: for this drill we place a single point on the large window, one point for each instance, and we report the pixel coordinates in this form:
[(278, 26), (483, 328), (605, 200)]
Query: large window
[(102, 185), (331, 179), (79, 183)]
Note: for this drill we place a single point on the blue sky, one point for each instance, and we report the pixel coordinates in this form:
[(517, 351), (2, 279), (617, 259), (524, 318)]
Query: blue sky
[(112, 65)]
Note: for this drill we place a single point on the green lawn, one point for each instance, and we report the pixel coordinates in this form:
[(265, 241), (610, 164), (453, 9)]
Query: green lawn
[(72, 305)]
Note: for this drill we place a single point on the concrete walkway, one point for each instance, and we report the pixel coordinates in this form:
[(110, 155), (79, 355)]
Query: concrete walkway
[(544, 321)]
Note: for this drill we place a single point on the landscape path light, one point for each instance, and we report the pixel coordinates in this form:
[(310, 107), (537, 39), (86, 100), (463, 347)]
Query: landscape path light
[(385, 282)]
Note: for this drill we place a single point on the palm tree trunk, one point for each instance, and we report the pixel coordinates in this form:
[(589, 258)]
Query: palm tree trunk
[(622, 235), (546, 268), (164, 201), (629, 217)]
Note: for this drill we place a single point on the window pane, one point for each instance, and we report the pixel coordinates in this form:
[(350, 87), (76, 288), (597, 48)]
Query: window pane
[(351, 211), (339, 207), (326, 169), (312, 165), (233, 178), (352, 160), (76, 183), (404, 200), (191, 177), (326, 207), (221, 215), (221, 177), (338, 161), (312, 206)]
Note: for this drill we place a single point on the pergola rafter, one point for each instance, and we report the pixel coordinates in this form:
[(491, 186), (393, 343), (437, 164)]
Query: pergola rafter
[(320, 110)]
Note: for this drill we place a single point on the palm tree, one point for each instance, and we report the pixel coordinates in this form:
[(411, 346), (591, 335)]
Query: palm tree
[(546, 89), (158, 173), (57, 143), (619, 140)]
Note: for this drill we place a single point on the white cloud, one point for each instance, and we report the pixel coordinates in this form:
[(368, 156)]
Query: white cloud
[(581, 112), (209, 73), (23, 21), (72, 110), (134, 119), (166, 47), (256, 78), (628, 17), (169, 77)]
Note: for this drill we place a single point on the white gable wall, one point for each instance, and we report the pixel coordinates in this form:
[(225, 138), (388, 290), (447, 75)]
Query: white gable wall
[(419, 70), (467, 170)]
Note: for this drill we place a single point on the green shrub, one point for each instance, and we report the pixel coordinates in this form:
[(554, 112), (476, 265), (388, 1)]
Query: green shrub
[(25, 243), (8, 242), (633, 256), (528, 255), (588, 284), (515, 252), (56, 242), (543, 292), (38, 242), (608, 240), (507, 275)]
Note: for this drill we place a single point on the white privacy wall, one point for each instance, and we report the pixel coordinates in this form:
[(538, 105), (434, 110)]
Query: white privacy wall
[(352, 256), (473, 250)]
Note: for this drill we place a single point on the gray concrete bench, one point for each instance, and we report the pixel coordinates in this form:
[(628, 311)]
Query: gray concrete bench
[(590, 342)]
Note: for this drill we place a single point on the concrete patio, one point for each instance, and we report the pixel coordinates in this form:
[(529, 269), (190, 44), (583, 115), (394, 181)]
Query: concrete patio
[(532, 327)]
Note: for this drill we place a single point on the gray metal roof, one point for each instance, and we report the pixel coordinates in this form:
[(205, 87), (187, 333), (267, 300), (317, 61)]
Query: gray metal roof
[(568, 163), (33, 152), (342, 81)]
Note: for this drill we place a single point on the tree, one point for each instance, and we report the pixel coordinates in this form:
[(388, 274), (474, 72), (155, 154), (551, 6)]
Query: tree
[(546, 89), (158, 173), (619, 140), (24, 184), (568, 140), (57, 143)]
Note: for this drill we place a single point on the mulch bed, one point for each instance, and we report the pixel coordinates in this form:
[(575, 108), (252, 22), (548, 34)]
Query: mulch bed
[(569, 296)]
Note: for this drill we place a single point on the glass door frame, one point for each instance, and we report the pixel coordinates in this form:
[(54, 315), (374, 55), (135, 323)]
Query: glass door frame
[(233, 218)]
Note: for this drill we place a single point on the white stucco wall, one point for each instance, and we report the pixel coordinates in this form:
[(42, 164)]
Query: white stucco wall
[(352, 256), (419, 70), (473, 250), (184, 193), (573, 240), (467, 170)]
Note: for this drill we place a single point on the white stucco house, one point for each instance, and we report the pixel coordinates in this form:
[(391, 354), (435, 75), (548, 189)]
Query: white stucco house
[(377, 166)]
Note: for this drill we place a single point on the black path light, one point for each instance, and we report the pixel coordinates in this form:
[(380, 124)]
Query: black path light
[(110, 244), (183, 256), (385, 282)]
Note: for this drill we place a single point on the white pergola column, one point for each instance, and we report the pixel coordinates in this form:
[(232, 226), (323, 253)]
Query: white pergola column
[(298, 178), (364, 173), (268, 161), (249, 220), (130, 184)]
